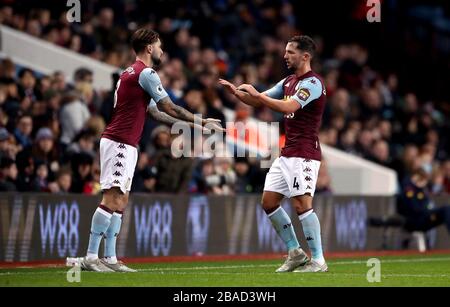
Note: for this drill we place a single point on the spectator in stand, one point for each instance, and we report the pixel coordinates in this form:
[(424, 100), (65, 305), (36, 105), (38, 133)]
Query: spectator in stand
[(81, 172), (144, 179), (74, 115), (243, 176), (40, 182), (63, 182), (249, 178), (84, 141), (7, 147), (206, 180), (224, 170), (415, 205), (43, 149), (8, 175), (380, 153), (27, 85), (404, 164), (92, 186), (173, 173), (23, 131)]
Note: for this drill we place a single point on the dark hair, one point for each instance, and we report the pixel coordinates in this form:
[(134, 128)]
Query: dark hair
[(23, 71), (304, 43), (84, 133), (143, 37), (81, 73), (6, 162), (25, 114), (63, 171)]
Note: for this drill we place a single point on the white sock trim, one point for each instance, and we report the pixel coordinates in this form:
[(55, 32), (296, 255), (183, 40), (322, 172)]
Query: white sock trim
[(270, 214), (305, 215), (117, 214), (105, 213)]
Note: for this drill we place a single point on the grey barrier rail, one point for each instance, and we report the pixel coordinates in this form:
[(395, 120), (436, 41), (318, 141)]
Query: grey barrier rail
[(37, 227)]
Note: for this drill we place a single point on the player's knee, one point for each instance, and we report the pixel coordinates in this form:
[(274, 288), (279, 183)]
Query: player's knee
[(114, 199), (269, 205), (110, 205), (123, 203), (301, 208), (302, 204)]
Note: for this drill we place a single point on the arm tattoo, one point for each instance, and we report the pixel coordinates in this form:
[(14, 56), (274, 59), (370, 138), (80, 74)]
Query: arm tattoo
[(173, 110), (161, 116)]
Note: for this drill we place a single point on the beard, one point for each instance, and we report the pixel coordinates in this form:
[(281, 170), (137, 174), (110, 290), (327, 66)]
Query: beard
[(156, 61), (294, 66)]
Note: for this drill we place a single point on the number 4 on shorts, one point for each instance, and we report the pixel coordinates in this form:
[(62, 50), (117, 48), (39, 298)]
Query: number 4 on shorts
[(296, 185)]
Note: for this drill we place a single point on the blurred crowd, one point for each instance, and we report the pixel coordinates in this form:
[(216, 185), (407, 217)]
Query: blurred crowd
[(50, 128)]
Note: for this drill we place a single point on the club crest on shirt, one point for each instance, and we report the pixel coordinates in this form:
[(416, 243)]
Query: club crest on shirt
[(303, 94), (130, 70)]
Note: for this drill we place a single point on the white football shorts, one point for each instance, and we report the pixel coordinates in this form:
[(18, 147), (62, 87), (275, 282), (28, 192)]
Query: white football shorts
[(292, 176), (117, 164)]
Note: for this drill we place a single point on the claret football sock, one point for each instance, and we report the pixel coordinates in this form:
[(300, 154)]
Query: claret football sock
[(111, 237), (283, 225), (100, 223), (311, 228)]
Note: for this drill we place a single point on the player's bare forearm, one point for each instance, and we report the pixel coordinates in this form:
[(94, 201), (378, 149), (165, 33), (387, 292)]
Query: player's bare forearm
[(283, 106), (165, 118), (166, 105), (274, 104), (247, 99), (239, 94)]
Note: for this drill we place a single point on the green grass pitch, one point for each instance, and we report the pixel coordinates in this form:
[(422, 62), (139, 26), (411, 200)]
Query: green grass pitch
[(417, 270)]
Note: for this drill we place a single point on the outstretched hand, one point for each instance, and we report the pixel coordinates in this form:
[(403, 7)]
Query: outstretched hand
[(245, 93), (249, 89), (213, 124), (228, 86)]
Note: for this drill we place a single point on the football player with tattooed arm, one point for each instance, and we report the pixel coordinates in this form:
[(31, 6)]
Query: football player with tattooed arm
[(138, 92), (301, 97)]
